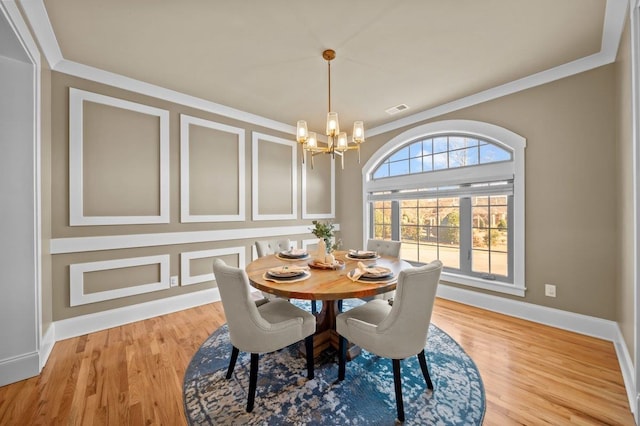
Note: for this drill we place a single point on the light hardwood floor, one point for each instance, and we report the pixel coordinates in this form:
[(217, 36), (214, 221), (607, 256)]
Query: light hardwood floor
[(132, 375)]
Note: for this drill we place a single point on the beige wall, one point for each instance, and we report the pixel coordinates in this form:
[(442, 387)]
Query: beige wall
[(129, 141), (625, 218), (571, 206)]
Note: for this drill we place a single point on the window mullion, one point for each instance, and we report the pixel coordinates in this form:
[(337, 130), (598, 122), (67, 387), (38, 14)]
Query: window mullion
[(465, 235), (395, 220)]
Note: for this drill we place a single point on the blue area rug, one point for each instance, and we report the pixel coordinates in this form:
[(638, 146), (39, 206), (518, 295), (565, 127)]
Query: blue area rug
[(366, 397)]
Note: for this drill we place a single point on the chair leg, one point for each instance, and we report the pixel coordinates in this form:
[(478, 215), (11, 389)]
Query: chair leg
[(340, 305), (342, 355), (425, 369), (253, 381), (308, 343), (397, 381), (314, 307), (232, 361)]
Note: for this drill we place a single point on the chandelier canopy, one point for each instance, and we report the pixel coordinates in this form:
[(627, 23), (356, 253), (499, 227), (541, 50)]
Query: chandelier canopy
[(337, 141)]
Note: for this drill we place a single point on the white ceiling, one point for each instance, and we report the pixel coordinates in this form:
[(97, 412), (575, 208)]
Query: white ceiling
[(264, 57)]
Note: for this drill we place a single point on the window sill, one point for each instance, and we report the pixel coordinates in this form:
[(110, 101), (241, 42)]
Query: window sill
[(496, 286)]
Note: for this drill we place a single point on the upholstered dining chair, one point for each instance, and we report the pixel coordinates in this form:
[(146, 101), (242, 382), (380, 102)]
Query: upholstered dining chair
[(260, 327), (395, 331), (265, 248), (385, 248)]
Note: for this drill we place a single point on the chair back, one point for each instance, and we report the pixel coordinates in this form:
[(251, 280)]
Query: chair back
[(385, 247), (405, 328), (244, 321), (267, 247)]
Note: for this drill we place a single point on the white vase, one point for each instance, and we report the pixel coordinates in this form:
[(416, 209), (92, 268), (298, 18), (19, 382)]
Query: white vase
[(322, 251), (330, 259)]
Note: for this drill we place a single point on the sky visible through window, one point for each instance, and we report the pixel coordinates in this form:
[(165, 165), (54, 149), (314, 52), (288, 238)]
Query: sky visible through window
[(440, 153)]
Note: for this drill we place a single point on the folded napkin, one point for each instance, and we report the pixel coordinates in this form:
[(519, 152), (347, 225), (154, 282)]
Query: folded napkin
[(325, 264), (371, 271), (362, 253), (296, 252), (288, 269)]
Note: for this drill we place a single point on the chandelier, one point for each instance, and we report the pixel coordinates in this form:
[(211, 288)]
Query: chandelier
[(337, 141)]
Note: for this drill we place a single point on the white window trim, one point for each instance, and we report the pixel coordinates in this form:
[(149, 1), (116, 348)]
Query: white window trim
[(477, 129)]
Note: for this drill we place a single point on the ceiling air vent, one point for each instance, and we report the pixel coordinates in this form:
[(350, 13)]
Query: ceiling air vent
[(396, 109)]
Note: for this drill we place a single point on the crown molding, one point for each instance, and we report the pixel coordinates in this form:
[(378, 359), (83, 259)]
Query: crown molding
[(615, 12)]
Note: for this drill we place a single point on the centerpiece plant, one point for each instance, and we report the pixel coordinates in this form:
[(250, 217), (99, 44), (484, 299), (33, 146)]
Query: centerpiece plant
[(326, 231)]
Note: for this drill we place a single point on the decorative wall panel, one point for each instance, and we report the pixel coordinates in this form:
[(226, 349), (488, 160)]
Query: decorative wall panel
[(118, 161), (274, 184), (318, 188), (186, 259), (212, 171), (80, 295)]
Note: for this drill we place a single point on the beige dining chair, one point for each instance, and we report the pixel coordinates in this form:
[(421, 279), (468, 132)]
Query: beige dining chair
[(260, 327), (385, 248), (395, 331), (267, 247)]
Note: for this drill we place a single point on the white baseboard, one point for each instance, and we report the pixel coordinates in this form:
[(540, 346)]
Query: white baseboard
[(570, 321), (84, 324), (578, 323), (626, 367), (46, 344), (19, 368)]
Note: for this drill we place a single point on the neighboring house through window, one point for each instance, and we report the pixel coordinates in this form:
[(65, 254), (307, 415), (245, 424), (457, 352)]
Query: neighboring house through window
[(452, 190)]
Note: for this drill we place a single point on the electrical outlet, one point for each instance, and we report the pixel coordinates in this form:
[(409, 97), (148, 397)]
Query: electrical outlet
[(174, 281), (550, 290)]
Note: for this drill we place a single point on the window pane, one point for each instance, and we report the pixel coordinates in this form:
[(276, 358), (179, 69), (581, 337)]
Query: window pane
[(427, 163), (402, 154), (457, 142), (399, 168), (427, 146), (499, 200), (463, 157), (450, 256), (415, 150), (408, 203), (440, 145), (490, 153), (383, 171), (480, 261), (440, 161), (499, 263), (415, 165), (489, 235), (471, 156), (428, 253)]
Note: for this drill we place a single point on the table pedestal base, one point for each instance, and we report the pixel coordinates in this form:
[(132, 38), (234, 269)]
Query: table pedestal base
[(326, 336)]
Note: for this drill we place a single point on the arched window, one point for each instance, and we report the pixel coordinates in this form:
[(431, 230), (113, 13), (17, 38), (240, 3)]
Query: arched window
[(454, 191)]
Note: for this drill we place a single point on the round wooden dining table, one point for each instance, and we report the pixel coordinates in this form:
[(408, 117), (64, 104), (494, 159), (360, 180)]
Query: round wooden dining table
[(327, 285)]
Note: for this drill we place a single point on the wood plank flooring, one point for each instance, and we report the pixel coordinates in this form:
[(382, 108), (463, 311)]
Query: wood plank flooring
[(132, 375)]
